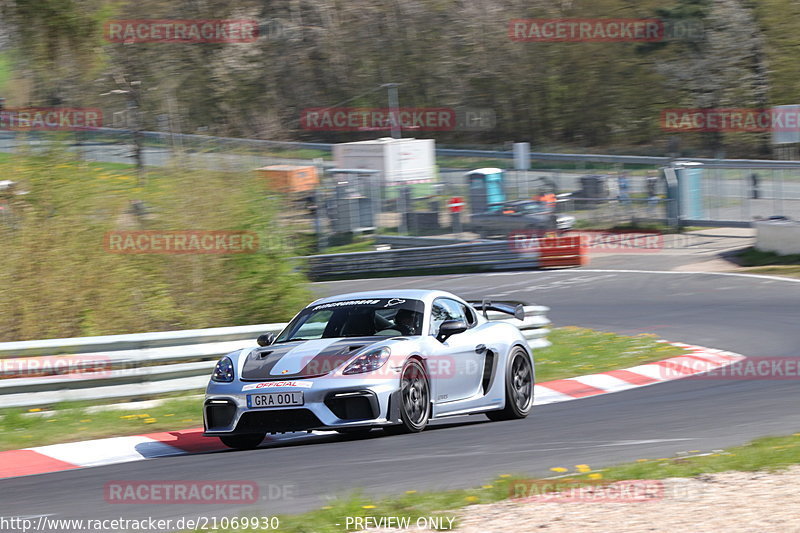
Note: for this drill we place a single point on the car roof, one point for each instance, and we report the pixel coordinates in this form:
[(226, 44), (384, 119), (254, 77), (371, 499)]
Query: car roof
[(426, 295)]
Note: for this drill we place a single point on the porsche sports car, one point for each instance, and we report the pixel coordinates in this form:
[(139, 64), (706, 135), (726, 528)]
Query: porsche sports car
[(393, 359)]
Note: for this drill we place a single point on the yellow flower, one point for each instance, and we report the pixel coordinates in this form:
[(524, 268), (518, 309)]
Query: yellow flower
[(368, 507), (149, 420), (84, 421), (411, 492), (583, 468), (505, 475), (487, 486), (558, 469), (36, 410), (596, 476), (471, 498)]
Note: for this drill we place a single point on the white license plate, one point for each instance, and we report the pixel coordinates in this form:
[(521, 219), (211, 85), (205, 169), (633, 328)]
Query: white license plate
[(274, 399)]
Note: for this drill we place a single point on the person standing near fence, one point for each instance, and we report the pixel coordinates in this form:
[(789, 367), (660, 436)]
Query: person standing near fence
[(651, 184), (624, 189)]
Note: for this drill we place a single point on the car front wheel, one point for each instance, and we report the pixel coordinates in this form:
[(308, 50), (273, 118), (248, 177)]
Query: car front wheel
[(415, 399)]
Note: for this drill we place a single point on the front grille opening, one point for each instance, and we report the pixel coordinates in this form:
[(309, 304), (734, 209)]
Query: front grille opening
[(219, 415), (357, 406), (278, 421)]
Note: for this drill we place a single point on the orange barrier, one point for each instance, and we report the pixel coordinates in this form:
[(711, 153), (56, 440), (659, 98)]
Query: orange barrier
[(563, 251)]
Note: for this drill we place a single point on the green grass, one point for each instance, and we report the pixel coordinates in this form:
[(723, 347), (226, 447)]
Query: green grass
[(70, 207), (367, 245), (792, 271), (578, 351), (71, 422), (754, 257), (765, 454), (5, 71)]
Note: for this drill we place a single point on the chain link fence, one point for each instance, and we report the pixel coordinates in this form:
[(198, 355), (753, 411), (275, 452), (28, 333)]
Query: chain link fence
[(597, 190)]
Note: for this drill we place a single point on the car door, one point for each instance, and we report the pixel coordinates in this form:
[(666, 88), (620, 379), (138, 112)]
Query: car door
[(457, 365)]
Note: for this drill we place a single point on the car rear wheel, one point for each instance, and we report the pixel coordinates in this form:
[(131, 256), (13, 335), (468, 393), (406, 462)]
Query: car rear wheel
[(519, 388), (243, 442), (415, 399)]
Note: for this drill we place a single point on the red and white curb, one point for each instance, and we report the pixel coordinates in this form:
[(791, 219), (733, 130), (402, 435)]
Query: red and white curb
[(699, 361), (72, 455)]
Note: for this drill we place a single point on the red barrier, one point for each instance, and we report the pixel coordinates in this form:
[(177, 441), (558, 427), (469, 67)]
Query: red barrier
[(563, 251)]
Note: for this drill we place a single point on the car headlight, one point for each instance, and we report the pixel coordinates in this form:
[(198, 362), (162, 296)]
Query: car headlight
[(223, 372), (368, 361)]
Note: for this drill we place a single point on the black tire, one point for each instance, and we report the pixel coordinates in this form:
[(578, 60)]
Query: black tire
[(519, 388), (415, 399), (243, 442)]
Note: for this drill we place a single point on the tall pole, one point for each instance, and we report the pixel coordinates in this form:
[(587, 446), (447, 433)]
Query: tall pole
[(394, 111)]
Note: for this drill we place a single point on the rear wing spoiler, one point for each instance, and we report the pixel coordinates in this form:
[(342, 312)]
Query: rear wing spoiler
[(515, 309)]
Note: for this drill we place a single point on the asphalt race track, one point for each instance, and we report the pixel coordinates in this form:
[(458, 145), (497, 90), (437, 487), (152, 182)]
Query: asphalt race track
[(751, 315)]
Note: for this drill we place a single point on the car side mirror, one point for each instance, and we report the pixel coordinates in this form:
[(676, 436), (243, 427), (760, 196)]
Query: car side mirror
[(266, 339), (448, 328)]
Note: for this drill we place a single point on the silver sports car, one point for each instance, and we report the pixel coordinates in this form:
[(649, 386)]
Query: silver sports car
[(389, 359)]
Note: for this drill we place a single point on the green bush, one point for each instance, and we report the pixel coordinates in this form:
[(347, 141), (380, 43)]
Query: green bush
[(58, 279)]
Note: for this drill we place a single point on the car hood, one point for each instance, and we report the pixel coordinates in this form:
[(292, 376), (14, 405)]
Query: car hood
[(302, 359)]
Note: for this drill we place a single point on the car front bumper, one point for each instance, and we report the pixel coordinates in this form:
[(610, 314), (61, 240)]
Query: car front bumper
[(330, 402)]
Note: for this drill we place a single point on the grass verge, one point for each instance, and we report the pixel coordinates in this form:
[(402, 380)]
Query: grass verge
[(575, 351), (579, 351), (752, 257), (769, 453), (69, 422), (792, 271)]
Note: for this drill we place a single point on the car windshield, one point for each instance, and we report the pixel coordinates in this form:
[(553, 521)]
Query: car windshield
[(385, 317)]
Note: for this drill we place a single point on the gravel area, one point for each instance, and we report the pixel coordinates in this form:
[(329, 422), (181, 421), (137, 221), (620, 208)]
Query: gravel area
[(731, 502)]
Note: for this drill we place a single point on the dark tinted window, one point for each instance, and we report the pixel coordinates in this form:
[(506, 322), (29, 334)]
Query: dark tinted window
[(356, 318)]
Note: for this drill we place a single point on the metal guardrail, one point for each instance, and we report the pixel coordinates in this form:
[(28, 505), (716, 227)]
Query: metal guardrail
[(480, 255), (183, 361), (116, 366)]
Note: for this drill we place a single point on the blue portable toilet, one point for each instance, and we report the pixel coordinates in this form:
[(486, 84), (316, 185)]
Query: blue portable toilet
[(486, 191), (684, 184)]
